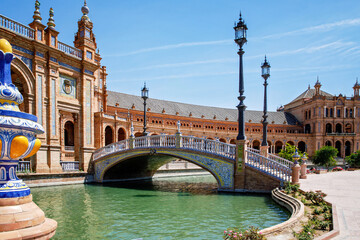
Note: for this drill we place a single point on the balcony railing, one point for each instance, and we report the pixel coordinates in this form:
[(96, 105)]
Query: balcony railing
[(23, 166), (28, 32), (16, 27), (69, 166), (340, 134), (70, 50)]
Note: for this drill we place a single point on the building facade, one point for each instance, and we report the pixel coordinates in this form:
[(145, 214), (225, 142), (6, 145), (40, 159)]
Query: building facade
[(65, 87)]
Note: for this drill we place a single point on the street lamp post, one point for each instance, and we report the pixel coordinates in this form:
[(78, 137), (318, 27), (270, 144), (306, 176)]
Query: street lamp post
[(240, 39), (265, 73), (145, 96)]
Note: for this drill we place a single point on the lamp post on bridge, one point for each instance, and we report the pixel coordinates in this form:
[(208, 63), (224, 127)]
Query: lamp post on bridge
[(145, 96), (240, 39), (265, 73)]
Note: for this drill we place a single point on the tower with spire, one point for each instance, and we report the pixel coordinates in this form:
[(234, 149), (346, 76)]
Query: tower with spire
[(356, 89), (85, 38), (317, 87)]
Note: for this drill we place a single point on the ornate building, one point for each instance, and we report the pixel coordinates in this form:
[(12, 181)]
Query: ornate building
[(65, 87)]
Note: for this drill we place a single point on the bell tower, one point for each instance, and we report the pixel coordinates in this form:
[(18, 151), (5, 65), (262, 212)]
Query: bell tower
[(85, 38)]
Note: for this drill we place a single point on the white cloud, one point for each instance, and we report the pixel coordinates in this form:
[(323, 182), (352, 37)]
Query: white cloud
[(318, 28), (182, 64), (172, 46)]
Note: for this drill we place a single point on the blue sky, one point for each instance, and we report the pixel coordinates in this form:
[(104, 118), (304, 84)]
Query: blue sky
[(185, 52)]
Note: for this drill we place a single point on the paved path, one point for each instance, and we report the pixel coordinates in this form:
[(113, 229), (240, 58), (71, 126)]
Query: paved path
[(342, 189)]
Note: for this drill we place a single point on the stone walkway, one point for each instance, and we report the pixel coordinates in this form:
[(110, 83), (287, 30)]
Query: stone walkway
[(342, 189)]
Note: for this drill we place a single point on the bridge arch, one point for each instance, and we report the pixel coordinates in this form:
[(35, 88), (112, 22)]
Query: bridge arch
[(145, 162)]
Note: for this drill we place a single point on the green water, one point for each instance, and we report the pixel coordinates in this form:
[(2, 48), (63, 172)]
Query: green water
[(163, 211)]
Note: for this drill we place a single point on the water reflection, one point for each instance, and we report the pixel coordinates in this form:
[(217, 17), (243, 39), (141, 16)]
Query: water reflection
[(154, 210)]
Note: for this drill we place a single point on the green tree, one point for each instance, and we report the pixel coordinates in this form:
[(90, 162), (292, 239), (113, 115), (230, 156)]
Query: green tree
[(325, 156), (289, 151), (354, 159)]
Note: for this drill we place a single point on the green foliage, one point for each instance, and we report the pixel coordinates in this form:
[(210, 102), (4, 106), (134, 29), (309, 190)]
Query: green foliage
[(251, 234), (325, 156), (290, 188), (307, 233), (316, 198), (288, 152), (317, 211), (354, 159)]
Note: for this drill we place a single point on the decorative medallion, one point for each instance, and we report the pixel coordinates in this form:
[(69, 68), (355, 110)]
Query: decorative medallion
[(67, 87)]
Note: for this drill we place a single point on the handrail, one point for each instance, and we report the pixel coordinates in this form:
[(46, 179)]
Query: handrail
[(268, 166), (16, 27), (70, 165), (281, 160), (70, 50), (170, 141)]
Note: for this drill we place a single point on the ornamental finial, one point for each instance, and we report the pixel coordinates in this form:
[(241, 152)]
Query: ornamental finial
[(36, 16), (51, 22), (85, 10)]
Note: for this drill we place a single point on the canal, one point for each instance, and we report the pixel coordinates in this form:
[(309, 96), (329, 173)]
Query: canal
[(167, 208)]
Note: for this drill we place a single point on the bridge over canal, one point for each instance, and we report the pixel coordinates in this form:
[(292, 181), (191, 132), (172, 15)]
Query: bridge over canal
[(233, 166)]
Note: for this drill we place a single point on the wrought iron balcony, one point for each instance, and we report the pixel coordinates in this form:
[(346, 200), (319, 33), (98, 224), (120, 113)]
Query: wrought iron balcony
[(340, 134)]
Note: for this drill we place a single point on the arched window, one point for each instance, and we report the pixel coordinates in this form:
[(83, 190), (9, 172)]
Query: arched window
[(328, 128), (291, 143), (278, 146), (108, 135), (302, 146), (138, 134), (256, 144), (338, 147), (348, 128), (347, 148), (307, 128), (121, 134), (328, 143), (232, 141), (222, 140), (338, 128), (69, 134)]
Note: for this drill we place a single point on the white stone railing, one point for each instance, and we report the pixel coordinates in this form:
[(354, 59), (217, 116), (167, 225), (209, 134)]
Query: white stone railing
[(69, 166), (16, 27), (253, 150), (268, 166), (70, 50), (281, 160), (169, 141), (23, 166), (210, 146)]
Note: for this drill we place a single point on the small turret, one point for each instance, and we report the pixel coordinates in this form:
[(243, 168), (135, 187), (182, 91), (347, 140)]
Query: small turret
[(317, 86), (356, 88)]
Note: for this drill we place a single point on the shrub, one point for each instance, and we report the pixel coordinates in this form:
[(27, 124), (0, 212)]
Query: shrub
[(289, 187), (315, 197), (307, 233), (251, 234), (354, 159), (325, 156), (337, 169)]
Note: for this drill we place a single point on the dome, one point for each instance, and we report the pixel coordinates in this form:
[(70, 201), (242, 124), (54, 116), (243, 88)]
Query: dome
[(85, 10)]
